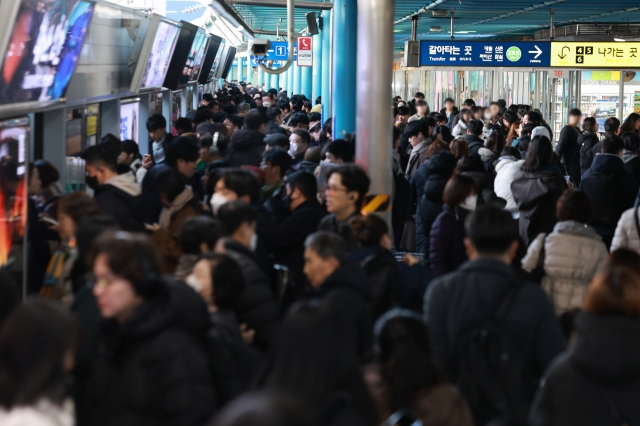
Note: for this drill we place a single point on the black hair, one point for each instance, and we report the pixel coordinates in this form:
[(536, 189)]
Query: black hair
[(103, 154), (296, 102), (203, 115), (575, 112), (155, 122), (233, 214), (328, 126), (304, 135), (315, 116), (47, 171), (219, 117), (273, 113), (34, 339), (328, 245), (415, 127), (511, 151), (343, 150), (278, 157), (510, 117), (304, 182), (475, 127), (439, 117), (319, 100), (419, 95), (421, 102), (183, 148), (170, 183), (198, 230), (277, 139), (527, 130), (354, 179), (538, 154), (131, 147), (471, 163), (253, 120), (428, 122), (534, 116), (298, 118), (631, 142), (469, 103), (235, 120), (227, 281), (491, 230), (612, 144), (283, 105), (611, 125), (185, 124), (449, 100), (242, 182), (404, 110)]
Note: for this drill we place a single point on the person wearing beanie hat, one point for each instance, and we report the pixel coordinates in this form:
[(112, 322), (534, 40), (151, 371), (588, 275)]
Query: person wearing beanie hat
[(540, 131)]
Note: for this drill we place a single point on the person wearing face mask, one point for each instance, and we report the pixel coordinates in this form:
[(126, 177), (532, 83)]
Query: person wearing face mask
[(446, 248), (119, 196), (298, 144), (258, 307)]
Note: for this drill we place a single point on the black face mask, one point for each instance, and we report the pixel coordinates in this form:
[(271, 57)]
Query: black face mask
[(91, 181), (286, 201)]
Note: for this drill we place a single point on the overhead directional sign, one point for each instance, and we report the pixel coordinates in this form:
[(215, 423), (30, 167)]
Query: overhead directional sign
[(279, 51), (485, 54), (595, 54)]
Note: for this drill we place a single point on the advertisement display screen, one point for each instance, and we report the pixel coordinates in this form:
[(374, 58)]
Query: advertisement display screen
[(181, 53), (129, 121), (164, 44), (43, 50), (227, 65), (218, 60), (207, 64), (195, 59), (14, 136)]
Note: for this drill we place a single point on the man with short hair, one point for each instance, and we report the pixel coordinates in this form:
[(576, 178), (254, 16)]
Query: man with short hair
[(243, 108), (609, 187), (419, 96), (440, 119), (299, 120), (274, 115), (467, 104), (159, 138), (285, 106), (299, 143), (568, 149), (207, 99), (422, 109), (417, 132), (247, 144), (611, 128), (346, 187), (340, 285), (183, 125), (472, 138), (402, 115), (461, 300), (117, 195), (275, 165), (450, 111), (276, 140), (198, 235)]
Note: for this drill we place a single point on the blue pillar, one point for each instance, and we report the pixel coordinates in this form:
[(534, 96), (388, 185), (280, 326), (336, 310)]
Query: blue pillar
[(290, 80), (345, 31), (249, 71), (261, 74), (297, 77), (240, 74), (305, 81), (276, 82), (326, 65), (316, 78)]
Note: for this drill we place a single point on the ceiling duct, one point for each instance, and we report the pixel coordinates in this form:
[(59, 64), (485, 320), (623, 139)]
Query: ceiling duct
[(588, 32)]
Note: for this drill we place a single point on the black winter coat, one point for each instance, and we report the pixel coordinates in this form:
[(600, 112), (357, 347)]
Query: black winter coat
[(154, 369), (348, 291), (465, 298), (474, 142), (632, 165), (536, 195), (586, 141), (258, 306), (126, 209), (603, 360), (446, 250), (245, 148)]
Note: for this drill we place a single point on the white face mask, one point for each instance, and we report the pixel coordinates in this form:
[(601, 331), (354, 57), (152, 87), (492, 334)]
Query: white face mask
[(487, 116), (293, 149), (470, 203), (254, 242), (193, 282), (266, 104), (216, 202)]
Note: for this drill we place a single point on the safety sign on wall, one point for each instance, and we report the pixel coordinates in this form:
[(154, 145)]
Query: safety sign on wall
[(595, 54), (305, 52)]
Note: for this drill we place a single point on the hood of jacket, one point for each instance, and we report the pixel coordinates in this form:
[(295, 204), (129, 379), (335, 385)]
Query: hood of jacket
[(247, 139), (507, 162), (577, 228), (606, 348), (627, 156), (529, 187), (585, 136), (126, 182), (176, 305), (350, 276), (364, 253), (439, 170), (607, 164)]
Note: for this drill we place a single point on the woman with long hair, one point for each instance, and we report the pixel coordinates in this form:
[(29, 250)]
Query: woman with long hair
[(631, 124)]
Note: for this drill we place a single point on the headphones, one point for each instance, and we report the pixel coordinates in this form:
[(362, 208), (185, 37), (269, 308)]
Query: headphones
[(213, 149)]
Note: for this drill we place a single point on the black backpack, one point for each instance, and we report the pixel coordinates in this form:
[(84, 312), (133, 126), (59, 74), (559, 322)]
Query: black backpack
[(493, 373), (602, 191)]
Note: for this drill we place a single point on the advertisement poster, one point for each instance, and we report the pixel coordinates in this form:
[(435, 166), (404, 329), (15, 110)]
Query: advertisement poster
[(129, 121), (196, 57), (161, 52), (217, 60), (43, 50), (636, 102)]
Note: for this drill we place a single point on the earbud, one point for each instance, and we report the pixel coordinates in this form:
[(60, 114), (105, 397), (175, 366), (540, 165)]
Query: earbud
[(213, 149)]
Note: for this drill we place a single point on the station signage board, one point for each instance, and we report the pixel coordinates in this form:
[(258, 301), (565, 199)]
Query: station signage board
[(595, 54), (278, 51), (485, 54), (305, 52)]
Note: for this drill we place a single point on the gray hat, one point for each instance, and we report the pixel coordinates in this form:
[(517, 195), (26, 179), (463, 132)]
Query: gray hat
[(540, 131)]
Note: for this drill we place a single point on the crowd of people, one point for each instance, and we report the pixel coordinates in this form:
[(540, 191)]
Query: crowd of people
[(229, 278)]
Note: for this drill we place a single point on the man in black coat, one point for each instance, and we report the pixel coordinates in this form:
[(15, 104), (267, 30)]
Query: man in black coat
[(472, 138), (342, 286), (286, 240), (568, 149), (467, 297), (247, 144), (117, 195)]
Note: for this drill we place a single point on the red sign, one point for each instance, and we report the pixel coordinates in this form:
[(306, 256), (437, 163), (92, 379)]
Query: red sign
[(305, 51)]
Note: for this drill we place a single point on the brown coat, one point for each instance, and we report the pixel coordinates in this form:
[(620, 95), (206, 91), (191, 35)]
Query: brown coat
[(168, 241)]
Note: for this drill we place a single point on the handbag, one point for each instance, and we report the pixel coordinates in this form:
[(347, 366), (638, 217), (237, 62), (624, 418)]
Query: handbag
[(408, 241)]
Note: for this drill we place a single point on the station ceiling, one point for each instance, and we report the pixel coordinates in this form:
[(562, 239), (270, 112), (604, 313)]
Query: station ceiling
[(484, 19)]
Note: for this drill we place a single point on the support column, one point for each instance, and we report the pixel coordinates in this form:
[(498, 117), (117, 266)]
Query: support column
[(344, 52), (305, 81), (297, 77), (241, 70), (316, 76), (290, 80), (260, 77), (374, 124), (326, 65), (249, 70)]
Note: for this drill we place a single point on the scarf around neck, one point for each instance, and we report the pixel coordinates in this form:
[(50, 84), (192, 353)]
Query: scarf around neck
[(177, 205)]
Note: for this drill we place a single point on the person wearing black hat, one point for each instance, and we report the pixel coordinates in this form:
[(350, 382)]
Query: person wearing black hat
[(277, 140)]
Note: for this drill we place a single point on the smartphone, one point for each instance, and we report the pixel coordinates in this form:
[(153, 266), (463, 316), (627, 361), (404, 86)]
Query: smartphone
[(147, 157)]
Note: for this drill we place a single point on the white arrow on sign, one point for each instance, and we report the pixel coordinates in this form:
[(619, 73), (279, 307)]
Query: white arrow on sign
[(538, 52)]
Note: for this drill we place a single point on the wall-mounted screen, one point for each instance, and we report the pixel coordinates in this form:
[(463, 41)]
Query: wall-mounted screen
[(220, 57), (209, 59), (164, 44), (195, 59), (129, 120), (181, 53), (227, 65), (43, 50)]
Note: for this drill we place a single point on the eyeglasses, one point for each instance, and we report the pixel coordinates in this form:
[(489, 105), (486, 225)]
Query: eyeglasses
[(333, 188)]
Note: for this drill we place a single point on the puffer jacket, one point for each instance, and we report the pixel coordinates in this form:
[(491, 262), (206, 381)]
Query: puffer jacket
[(446, 250), (573, 253), (587, 141), (627, 233), (632, 164), (246, 148), (506, 170), (459, 130)]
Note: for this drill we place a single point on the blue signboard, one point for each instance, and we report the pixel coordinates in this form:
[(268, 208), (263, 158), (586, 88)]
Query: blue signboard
[(485, 54), (279, 51)]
